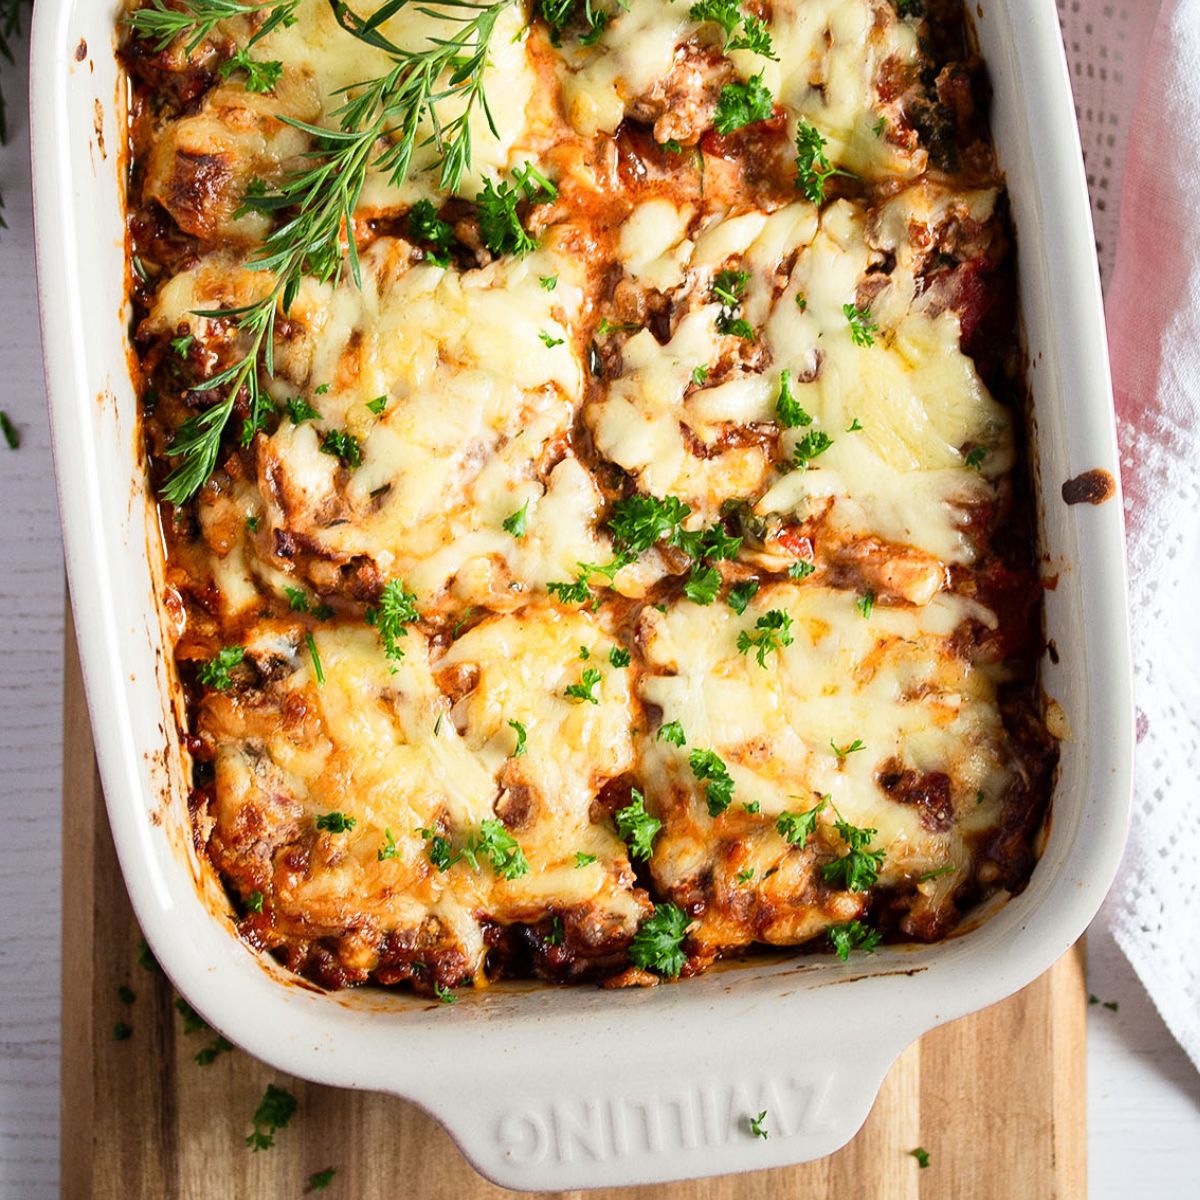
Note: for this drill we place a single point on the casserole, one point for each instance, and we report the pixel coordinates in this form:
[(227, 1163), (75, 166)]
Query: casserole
[(591, 1117)]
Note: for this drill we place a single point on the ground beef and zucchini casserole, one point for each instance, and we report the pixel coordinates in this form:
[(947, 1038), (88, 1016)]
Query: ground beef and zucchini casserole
[(589, 442)]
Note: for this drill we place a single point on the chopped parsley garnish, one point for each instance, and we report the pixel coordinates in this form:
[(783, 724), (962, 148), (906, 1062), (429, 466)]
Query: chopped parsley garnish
[(439, 849), (555, 936), (378, 405), (210, 1053), (658, 944), (852, 935), (606, 327), (672, 733), (583, 860), (921, 1155), (742, 104), (865, 604), (499, 225), (126, 994), (1111, 1005), (858, 869), (252, 524), (254, 902), (745, 876), (637, 827), (841, 751), (318, 670), (500, 848), (396, 609), (699, 375), (787, 407), (146, 959), (516, 523), (758, 1126), (638, 521), (584, 653), (181, 345), (318, 1181), (549, 340), (261, 76), (813, 167), (274, 1111), (727, 13), (444, 994), (585, 689), (321, 390), (425, 226), (948, 869), (741, 594), (855, 426), (974, 459), (800, 569), (710, 769), (772, 631), (752, 807), (671, 146), (122, 1032), (336, 822), (571, 593), (344, 446), (862, 325), (389, 849), (520, 731), (193, 1022), (801, 302), (300, 410), (878, 128), (618, 657), (812, 444), (548, 282), (215, 673), (297, 599), (703, 584), (728, 288), (796, 828)]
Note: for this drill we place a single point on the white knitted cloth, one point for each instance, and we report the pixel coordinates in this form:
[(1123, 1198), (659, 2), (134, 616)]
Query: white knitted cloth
[(1154, 330)]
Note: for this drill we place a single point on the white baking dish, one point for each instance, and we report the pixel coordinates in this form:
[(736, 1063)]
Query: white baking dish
[(576, 1087)]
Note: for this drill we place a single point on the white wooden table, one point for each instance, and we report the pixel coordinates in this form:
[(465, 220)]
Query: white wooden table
[(1143, 1094)]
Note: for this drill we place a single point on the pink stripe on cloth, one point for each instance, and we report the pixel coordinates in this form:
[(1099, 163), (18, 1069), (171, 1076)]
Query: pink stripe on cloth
[(1153, 314)]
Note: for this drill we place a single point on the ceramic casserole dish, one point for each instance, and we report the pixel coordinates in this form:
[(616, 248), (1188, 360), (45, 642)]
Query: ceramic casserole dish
[(606, 1098)]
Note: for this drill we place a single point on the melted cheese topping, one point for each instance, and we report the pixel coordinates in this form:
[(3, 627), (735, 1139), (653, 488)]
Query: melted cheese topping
[(688, 327)]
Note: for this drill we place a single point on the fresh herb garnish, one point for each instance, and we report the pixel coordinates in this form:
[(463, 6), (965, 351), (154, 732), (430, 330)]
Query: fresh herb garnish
[(813, 167), (583, 860), (254, 902), (862, 325), (772, 631), (841, 751), (444, 994), (637, 827), (658, 944), (672, 733), (396, 609), (812, 444), (800, 569), (274, 1111), (318, 670), (297, 599), (336, 822), (500, 848), (300, 410), (193, 1022), (122, 1032), (378, 405), (741, 594), (728, 15), (858, 869), (585, 689), (852, 935), (548, 282), (787, 407), (729, 289), (215, 673), (520, 731), (344, 447), (741, 104), (549, 340), (758, 1126), (424, 225), (210, 1053), (921, 1155), (974, 459), (260, 76), (318, 1181), (12, 435), (865, 604), (516, 523), (710, 769), (796, 828)]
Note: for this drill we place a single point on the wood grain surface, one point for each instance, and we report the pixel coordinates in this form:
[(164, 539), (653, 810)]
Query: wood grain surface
[(998, 1099)]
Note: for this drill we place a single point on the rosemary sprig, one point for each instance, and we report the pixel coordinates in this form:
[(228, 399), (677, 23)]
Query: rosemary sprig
[(318, 201), (198, 18)]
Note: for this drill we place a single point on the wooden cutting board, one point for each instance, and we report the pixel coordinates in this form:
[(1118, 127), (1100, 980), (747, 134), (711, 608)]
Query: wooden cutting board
[(998, 1099)]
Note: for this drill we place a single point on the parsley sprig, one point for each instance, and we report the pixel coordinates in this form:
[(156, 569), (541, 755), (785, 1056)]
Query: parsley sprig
[(813, 167), (728, 15), (858, 869), (709, 768), (275, 1110), (637, 827), (742, 104), (658, 944), (396, 610), (772, 631)]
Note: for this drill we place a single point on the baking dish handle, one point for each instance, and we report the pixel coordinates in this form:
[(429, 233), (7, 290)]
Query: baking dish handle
[(698, 1119)]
